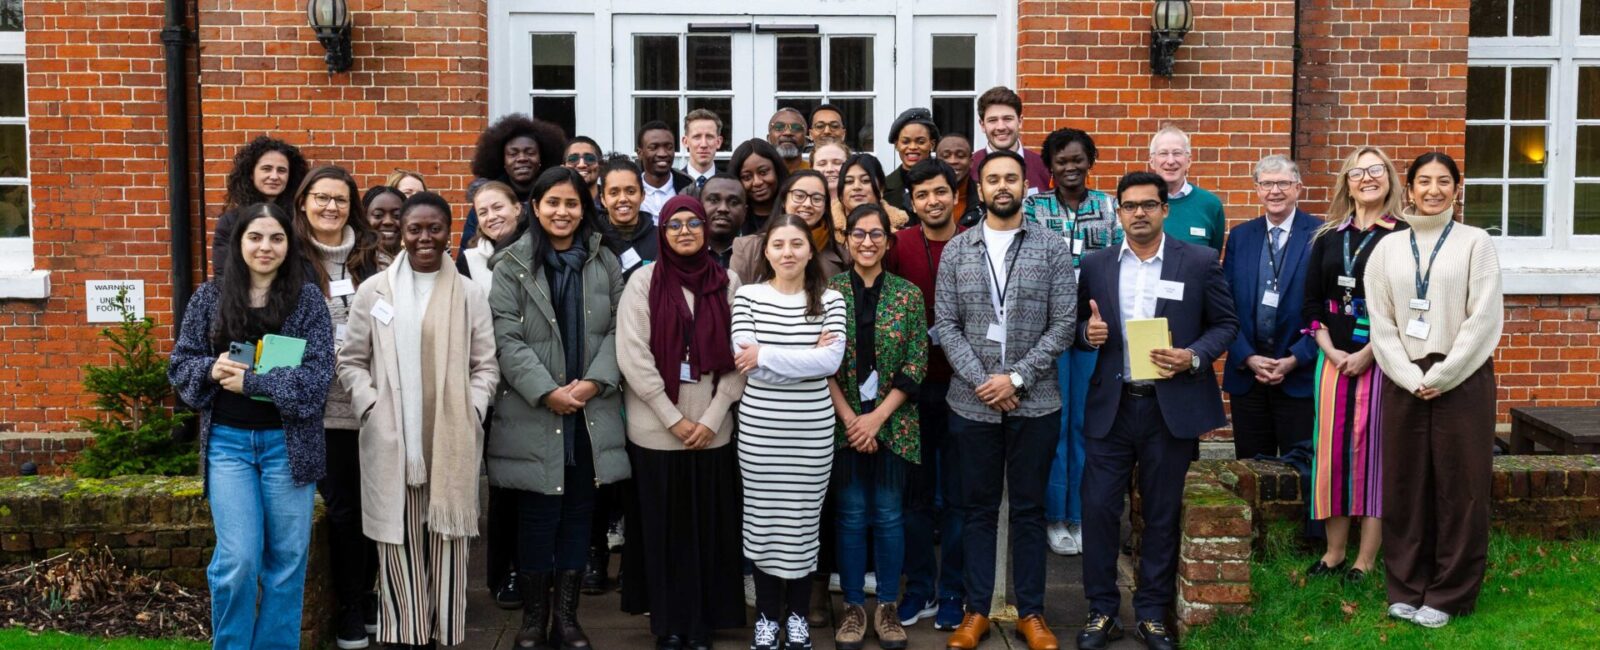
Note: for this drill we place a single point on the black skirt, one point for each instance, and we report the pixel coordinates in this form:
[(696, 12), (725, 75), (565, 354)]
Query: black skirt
[(681, 563)]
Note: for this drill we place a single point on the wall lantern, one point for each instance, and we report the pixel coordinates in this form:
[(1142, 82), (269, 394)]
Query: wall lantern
[(331, 21), (1171, 20)]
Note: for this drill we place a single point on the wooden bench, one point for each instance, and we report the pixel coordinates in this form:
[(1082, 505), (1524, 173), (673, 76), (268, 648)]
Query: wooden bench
[(1565, 430)]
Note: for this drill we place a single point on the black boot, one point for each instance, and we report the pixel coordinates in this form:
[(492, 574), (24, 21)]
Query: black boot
[(594, 574), (566, 612), (535, 632)]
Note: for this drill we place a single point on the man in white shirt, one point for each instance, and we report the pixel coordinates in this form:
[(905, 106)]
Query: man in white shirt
[(656, 151), (702, 138)]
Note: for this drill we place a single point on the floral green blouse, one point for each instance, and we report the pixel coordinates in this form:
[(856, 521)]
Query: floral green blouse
[(900, 348)]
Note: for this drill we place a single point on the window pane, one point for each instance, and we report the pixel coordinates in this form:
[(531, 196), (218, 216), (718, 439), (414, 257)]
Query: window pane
[(560, 111), (857, 117), (13, 211), (553, 63), (1532, 18), (1488, 18), (1486, 93), (1589, 19), (12, 89), (723, 107), (799, 64), (710, 63), (953, 62), (1589, 151), (1525, 212), (1589, 86), (1586, 209), (850, 63), (1481, 207), (10, 15), (1486, 151), (1527, 152), (647, 109), (802, 104), (1528, 93), (955, 115), (13, 150), (655, 63)]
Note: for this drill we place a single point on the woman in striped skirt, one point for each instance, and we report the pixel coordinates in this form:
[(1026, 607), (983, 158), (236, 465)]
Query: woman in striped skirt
[(788, 338), (1347, 470)]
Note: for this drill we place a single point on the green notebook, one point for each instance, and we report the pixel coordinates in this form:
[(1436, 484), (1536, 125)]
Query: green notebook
[(278, 352)]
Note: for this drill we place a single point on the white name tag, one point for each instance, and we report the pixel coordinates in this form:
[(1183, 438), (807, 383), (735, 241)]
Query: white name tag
[(1347, 282), (1169, 290), (997, 333), (1418, 329), (343, 287), (933, 337), (1270, 298), (1077, 274), (338, 333), (630, 259), (869, 387), (686, 375), (1420, 304), (1076, 244), (383, 311), (1196, 231)]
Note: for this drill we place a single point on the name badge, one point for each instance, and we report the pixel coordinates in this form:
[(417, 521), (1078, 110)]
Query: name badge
[(997, 333), (630, 259), (1076, 245), (869, 387), (1076, 274), (1347, 282), (933, 337), (1169, 290), (1418, 329), (1196, 231), (339, 331), (383, 311), (343, 287), (686, 375), (1419, 304), (1270, 298)]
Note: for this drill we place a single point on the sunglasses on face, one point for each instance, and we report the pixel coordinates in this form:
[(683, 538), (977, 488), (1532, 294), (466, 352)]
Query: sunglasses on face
[(585, 158), (692, 224), (780, 127)]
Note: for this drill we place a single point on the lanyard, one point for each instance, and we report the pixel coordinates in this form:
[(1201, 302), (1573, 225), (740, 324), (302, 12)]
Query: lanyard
[(1423, 279), (988, 263), (927, 251), (1350, 260), (1275, 258)]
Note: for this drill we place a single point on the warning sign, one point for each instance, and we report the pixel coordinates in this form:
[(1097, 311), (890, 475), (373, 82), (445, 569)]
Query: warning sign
[(101, 296)]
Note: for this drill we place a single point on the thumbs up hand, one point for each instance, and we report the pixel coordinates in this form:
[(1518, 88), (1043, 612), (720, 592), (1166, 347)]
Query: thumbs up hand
[(1098, 331)]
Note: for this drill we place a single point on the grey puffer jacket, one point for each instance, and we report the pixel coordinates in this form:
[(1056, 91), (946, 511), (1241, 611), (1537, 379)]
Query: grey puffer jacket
[(525, 446)]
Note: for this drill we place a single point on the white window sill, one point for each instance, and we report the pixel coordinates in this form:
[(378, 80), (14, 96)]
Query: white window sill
[(1550, 272), (27, 285)]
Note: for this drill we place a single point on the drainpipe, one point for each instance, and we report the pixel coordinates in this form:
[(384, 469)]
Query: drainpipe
[(1294, 91), (174, 38)]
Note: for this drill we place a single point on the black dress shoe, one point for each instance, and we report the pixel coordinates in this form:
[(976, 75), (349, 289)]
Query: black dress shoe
[(697, 644), (669, 642), (1154, 635), (1355, 576), (1099, 631), (508, 596), (1321, 568)]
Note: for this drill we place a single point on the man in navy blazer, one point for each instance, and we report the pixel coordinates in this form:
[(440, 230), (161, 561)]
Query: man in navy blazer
[(1157, 424), (1269, 370)]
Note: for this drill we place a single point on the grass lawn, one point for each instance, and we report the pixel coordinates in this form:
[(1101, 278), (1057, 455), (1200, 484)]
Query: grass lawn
[(17, 638), (1537, 594)]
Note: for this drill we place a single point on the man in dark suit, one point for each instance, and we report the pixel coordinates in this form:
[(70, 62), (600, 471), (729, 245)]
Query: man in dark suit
[(1154, 424), (1269, 368)]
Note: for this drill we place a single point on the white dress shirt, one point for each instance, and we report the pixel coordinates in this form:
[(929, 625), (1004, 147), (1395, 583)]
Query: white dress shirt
[(1136, 290)]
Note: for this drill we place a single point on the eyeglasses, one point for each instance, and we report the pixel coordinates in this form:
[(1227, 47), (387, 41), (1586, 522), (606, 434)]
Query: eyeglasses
[(1372, 171), (828, 126), (793, 127), (876, 235), (802, 196), (692, 224), (1281, 186), (585, 158), (1171, 153), (1147, 207), (323, 199)]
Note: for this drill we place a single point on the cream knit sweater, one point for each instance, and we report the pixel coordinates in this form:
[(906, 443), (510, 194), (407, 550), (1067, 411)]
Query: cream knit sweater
[(1465, 312)]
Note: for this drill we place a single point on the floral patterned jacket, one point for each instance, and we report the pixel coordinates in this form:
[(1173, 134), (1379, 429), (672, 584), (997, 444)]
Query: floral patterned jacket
[(901, 347)]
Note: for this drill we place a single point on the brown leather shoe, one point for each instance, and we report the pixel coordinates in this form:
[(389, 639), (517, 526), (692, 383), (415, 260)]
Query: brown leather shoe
[(1033, 630), (973, 630)]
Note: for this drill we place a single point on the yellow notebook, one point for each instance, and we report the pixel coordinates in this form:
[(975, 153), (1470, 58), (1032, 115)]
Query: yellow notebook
[(1144, 335)]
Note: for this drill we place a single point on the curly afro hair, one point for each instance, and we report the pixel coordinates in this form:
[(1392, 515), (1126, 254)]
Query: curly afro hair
[(241, 179), (489, 161)]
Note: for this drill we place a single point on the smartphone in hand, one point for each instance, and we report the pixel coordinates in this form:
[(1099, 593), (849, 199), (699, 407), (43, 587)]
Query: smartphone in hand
[(244, 353)]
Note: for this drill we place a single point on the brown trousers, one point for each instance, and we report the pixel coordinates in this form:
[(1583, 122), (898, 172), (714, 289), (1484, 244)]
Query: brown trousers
[(1437, 469)]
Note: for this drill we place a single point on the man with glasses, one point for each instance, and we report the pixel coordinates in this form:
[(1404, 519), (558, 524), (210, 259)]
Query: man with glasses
[(1196, 215), (702, 138), (827, 125), (787, 132), (1268, 373), (1154, 424)]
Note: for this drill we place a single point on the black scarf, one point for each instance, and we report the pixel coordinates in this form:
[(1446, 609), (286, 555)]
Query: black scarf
[(564, 271)]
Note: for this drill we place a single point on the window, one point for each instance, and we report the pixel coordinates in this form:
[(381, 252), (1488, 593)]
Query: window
[(812, 70), (674, 74), (16, 231), (555, 80), (1507, 119)]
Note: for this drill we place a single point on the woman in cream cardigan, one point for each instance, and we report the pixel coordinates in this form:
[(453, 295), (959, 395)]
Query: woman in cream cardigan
[(1436, 308)]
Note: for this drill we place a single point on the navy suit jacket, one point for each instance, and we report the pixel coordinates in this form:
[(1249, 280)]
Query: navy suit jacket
[(1241, 265), (1191, 403)]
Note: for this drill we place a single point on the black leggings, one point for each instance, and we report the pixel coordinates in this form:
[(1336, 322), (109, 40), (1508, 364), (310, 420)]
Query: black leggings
[(772, 591), (553, 529)]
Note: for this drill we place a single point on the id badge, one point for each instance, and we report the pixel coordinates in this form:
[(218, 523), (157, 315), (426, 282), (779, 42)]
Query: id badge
[(339, 331), (869, 387), (933, 337), (1347, 282), (1077, 246), (997, 333), (1418, 329), (1420, 304), (686, 375), (630, 259), (383, 311), (1269, 298), (339, 288)]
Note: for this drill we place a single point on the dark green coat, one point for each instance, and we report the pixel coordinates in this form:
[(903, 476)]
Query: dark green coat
[(900, 346)]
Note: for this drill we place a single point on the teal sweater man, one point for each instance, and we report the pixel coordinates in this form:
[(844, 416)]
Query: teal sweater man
[(1196, 217)]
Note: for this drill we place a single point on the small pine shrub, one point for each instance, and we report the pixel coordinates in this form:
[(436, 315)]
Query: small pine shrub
[(133, 433)]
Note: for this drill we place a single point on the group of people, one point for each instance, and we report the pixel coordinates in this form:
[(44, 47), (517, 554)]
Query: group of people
[(802, 365)]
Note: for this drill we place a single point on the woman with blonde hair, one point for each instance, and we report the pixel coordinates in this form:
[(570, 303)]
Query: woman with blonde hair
[(408, 182)]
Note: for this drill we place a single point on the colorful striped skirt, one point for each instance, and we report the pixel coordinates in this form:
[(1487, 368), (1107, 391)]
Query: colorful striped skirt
[(1347, 473)]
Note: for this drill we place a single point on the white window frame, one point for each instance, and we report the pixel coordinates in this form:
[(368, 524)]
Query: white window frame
[(1558, 262), (18, 278)]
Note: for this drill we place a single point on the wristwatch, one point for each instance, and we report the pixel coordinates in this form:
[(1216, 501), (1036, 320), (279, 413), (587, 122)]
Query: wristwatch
[(1016, 382), (1194, 360)]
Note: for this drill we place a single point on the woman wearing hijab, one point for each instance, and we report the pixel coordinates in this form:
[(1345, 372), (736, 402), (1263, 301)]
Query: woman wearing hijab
[(673, 347)]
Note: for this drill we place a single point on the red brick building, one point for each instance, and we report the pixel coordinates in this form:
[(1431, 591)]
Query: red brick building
[(1511, 88)]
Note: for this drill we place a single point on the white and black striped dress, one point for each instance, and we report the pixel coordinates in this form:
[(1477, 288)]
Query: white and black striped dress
[(786, 425)]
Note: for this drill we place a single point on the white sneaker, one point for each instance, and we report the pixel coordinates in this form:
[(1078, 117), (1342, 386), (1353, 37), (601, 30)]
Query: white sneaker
[(1058, 536), (750, 593), (797, 633), (766, 636), (1430, 617), (835, 585), (872, 584), (1074, 539), (1402, 611), (615, 535)]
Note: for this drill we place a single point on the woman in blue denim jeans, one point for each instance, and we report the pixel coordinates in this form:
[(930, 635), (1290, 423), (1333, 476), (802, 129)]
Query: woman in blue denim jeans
[(261, 438)]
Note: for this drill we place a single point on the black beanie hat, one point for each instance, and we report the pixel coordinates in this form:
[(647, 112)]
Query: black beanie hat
[(916, 115)]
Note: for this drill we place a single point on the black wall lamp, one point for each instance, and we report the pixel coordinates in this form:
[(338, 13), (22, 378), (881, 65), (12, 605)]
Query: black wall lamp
[(330, 19), (1170, 22)]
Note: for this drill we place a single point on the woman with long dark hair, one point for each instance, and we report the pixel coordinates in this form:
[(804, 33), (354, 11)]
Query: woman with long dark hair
[(266, 170), (804, 194), (261, 440), (860, 182), (558, 431), (761, 171)]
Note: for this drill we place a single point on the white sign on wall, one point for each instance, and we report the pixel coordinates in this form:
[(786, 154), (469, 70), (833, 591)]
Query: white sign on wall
[(101, 296)]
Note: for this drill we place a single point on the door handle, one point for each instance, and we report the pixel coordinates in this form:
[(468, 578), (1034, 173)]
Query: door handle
[(719, 28), (787, 29)]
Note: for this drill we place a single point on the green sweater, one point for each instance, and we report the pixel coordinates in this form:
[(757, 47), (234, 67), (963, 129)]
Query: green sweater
[(1197, 218)]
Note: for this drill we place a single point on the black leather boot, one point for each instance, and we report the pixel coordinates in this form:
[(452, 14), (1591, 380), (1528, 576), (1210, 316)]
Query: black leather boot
[(535, 632), (566, 625), (595, 574)]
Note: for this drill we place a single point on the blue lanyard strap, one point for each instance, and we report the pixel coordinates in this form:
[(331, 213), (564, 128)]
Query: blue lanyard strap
[(1424, 278), (1350, 260)]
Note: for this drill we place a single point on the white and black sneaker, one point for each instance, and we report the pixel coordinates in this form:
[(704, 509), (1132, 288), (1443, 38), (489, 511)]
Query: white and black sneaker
[(352, 634), (766, 637), (797, 633)]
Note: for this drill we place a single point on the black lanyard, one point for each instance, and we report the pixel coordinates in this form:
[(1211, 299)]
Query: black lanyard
[(1350, 260), (1423, 279), (1011, 266), (927, 251)]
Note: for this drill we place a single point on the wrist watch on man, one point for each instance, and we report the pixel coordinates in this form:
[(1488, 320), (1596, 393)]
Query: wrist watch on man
[(1194, 360), (1016, 382)]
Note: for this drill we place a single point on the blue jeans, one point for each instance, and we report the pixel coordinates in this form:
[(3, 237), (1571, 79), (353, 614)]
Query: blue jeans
[(1063, 497), (263, 526), (933, 495), (853, 503)]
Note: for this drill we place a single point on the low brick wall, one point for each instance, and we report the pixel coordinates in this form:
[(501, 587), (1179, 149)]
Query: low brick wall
[(160, 525), (1228, 503)]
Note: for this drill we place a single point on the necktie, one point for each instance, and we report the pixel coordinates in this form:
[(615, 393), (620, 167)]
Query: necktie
[(700, 183), (1277, 241)]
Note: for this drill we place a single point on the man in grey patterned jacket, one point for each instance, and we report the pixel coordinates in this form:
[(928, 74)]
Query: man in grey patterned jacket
[(1005, 309)]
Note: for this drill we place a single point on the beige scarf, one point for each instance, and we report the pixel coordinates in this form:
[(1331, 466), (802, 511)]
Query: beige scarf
[(453, 447)]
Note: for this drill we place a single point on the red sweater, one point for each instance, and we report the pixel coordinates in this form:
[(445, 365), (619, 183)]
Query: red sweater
[(916, 258)]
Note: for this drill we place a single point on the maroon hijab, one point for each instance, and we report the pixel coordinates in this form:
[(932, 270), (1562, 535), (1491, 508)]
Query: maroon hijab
[(703, 339)]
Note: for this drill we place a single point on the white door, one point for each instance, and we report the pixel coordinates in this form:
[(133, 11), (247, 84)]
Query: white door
[(550, 59), (802, 62)]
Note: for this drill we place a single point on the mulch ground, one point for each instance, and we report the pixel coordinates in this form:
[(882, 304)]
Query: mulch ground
[(88, 592)]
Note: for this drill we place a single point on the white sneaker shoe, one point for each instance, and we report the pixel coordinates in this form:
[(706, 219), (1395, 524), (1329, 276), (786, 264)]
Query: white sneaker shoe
[(1074, 539), (616, 535), (1056, 533), (750, 593), (872, 584), (1402, 611), (835, 585), (1430, 617)]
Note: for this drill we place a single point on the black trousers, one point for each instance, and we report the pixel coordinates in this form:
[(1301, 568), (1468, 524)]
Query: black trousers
[(553, 529), (1138, 436), (353, 556), (501, 535), (1268, 422), (1013, 454)]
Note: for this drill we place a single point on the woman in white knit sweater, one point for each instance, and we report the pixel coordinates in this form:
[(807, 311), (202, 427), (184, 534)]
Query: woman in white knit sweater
[(1436, 306)]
